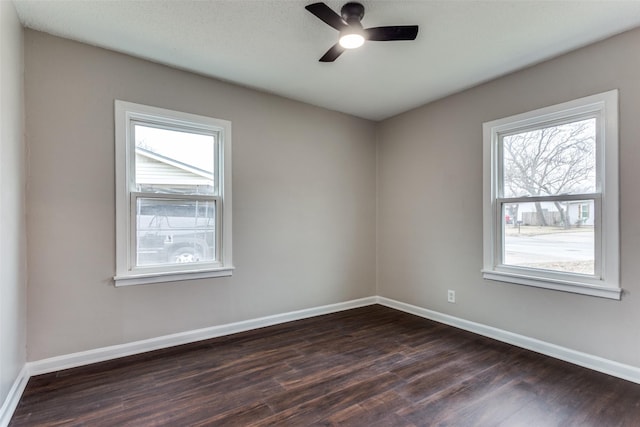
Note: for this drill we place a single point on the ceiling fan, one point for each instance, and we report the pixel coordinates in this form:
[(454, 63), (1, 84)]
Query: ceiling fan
[(352, 34)]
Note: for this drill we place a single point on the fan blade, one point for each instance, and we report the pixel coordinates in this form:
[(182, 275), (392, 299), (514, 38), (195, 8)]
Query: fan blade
[(326, 15), (333, 53), (399, 32)]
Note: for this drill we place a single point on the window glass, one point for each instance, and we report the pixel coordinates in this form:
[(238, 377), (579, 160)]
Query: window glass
[(174, 232), (558, 159), (172, 161), (528, 243)]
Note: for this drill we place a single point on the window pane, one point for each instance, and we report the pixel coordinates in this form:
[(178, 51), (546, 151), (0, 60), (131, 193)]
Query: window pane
[(171, 161), (555, 236), (554, 160), (175, 231)]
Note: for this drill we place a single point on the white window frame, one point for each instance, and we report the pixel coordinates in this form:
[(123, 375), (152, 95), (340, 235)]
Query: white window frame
[(606, 280), (127, 273)]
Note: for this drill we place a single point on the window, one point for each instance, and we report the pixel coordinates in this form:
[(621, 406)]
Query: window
[(173, 195), (550, 215)]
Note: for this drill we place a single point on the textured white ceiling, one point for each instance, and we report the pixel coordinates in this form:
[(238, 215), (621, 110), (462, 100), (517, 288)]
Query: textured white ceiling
[(274, 45)]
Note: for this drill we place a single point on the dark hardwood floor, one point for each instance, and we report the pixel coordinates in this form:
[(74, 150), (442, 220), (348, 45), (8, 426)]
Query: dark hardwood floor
[(371, 366)]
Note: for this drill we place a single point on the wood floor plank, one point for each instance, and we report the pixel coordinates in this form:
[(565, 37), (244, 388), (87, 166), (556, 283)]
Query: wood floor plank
[(371, 366), (381, 409)]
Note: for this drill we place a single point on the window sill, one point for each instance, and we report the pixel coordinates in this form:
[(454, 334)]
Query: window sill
[(555, 284), (174, 276)]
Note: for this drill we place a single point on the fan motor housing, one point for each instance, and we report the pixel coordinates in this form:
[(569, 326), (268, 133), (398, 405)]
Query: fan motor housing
[(352, 12)]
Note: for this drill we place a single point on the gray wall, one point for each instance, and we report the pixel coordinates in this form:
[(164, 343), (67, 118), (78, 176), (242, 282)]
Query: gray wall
[(12, 202), (303, 202), (430, 205)]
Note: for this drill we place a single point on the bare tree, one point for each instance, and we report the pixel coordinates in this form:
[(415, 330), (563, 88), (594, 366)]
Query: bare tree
[(550, 161)]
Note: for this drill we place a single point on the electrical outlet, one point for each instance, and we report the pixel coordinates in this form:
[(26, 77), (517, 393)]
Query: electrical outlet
[(451, 296)]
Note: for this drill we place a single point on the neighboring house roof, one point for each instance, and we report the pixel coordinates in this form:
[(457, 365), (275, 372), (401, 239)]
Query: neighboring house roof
[(153, 168)]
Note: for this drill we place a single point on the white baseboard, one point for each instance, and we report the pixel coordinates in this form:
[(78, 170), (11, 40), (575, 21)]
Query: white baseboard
[(73, 360), (610, 367), (13, 398), (82, 358), (112, 352)]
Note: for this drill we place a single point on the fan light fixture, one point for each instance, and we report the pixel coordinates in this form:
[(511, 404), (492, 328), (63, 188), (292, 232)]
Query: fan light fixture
[(351, 40), (352, 34)]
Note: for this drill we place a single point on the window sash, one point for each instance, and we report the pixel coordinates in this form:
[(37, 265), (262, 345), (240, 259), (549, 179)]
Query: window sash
[(544, 124), (173, 125), (133, 234), (499, 236)]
